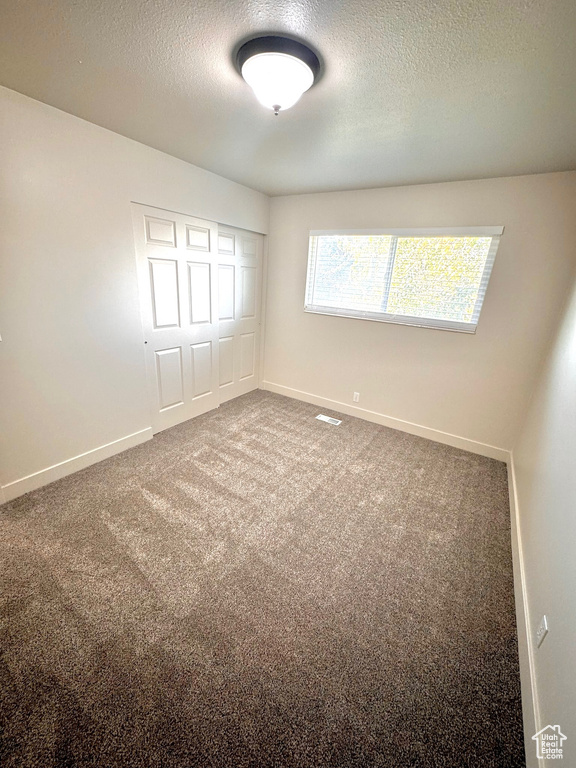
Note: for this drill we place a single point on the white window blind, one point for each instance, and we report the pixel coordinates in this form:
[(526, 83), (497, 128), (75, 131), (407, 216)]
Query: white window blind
[(434, 277)]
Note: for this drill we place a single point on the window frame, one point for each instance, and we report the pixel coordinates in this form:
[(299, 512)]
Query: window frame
[(494, 232)]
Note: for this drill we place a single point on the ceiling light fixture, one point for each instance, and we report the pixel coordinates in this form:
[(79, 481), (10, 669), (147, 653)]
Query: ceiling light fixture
[(278, 70)]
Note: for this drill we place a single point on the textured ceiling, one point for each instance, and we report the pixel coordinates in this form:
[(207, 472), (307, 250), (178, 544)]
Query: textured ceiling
[(413, 91)]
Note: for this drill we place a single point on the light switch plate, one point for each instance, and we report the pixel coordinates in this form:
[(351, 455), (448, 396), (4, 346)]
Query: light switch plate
[(542, 630)]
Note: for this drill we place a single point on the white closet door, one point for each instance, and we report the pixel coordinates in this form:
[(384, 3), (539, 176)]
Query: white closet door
[(177, 272), (239, 289)]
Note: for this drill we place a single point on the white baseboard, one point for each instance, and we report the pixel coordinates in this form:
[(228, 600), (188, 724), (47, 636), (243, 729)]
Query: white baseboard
[(44, 476), (491, 451), (530, 708)]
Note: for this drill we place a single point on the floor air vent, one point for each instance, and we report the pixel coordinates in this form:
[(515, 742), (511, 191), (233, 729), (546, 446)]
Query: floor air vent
[(321, 417)]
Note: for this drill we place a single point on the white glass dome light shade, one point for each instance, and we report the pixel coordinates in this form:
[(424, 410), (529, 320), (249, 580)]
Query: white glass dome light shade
[(278, 69), (277, 79)]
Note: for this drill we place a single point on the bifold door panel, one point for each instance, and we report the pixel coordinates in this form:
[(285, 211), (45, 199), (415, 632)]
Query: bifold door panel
[(239, 288), (200, 302)]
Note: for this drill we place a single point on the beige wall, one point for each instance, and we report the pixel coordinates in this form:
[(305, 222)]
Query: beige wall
[(544, 459), (71, 356), (475, 387)]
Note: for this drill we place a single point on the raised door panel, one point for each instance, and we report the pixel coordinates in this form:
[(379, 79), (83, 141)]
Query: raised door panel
[(226, 291), (169, 377), (198, 238), (226, 361), (247, 355), (226, 243), (249, 246), (199, 290), (248, 291), (160, 231), (202, 369), (164, 293)]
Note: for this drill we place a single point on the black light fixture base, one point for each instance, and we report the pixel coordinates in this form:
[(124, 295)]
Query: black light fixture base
[(278, 44)]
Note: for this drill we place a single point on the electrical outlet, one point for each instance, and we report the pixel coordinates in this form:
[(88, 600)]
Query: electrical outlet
[(356, 397), (541, 631)]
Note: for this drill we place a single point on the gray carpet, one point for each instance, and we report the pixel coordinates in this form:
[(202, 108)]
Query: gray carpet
[(258, 588)]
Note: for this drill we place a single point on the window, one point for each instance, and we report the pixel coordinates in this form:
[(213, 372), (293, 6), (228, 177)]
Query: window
[(434, 277)]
